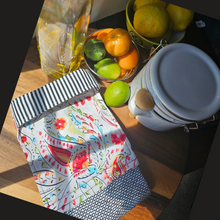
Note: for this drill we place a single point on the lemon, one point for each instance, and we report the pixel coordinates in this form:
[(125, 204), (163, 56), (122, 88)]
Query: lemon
[(162, 3), (95, 49), (108, 68), (180, 17), (117, 93), (167, 36), (138, 3), (151, 20)]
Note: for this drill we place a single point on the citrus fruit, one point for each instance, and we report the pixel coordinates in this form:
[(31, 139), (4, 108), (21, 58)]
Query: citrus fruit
[(94, 35), (108, 68), (95, 49), (103, 33), (118, 42), (117, 93), (130, 59), (167, 36), (180, 17), (151, 20), (163, 4), (138, 3)]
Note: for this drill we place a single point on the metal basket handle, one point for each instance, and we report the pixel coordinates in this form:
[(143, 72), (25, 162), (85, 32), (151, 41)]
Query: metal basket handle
[(153, 51)]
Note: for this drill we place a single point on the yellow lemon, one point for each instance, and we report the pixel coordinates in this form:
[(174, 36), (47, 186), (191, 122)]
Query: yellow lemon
[(180, 17), (151, 20), (138, 3), (167, 36), (162, 3)]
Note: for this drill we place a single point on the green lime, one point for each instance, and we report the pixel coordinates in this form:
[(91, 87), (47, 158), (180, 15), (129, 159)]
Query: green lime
[(95, 49), (117, 93), (108, 68)]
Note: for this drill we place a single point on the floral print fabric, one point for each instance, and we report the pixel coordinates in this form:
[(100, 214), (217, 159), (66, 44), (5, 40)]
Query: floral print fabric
[(75, 150)]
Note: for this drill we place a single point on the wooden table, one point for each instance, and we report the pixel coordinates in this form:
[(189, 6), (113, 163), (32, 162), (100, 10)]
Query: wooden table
[(162, 155)]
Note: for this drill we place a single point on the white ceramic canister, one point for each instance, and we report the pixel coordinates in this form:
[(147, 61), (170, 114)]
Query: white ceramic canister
[(184, 83)]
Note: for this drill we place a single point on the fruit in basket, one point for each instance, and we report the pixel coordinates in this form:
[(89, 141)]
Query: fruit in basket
[(180, 17), (95, 49), (162, 3), (151, 20), (118, 42), (117, 93), (138, 3), (167, 36), (129, 60), (108, 68), (103, 33)]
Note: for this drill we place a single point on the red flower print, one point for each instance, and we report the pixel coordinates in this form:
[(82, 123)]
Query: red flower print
[(76, 103), (26, 155), (60, 123), (82, 102), (79, 161), (118, 140), (23, 139), (88, 98), (122, 137)]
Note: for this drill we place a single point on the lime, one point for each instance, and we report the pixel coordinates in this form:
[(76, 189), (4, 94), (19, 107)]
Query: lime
[(117, 93), (94, 49), (108, 68)]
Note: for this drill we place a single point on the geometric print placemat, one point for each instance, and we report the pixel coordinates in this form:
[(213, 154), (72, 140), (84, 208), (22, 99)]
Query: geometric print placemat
[(116, 200)]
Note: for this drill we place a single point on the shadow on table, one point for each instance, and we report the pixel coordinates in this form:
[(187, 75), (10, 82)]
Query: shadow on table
[(16, 174)]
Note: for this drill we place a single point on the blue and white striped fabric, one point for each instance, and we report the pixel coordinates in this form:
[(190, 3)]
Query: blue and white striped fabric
[(30, 105)]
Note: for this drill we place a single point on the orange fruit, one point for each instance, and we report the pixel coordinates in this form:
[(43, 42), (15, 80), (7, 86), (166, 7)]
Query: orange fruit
[(118, 42), (130, 59), (94, 35), (103, 33)]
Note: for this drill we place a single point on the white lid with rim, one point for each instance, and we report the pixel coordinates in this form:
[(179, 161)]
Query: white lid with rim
[(187, 81)]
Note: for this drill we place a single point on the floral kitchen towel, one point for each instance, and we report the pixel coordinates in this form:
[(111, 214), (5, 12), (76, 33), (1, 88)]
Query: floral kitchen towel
[(76, 149)]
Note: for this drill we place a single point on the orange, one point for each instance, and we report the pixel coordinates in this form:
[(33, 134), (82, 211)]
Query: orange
[(130, 59), (94, 35), (118, 42), (103, 33)]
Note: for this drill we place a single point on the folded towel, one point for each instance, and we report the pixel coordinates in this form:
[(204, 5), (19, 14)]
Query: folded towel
[(81, 159)]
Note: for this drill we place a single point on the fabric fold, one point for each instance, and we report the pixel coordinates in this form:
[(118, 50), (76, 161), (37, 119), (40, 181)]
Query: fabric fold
[(75, 147), (30, 105)]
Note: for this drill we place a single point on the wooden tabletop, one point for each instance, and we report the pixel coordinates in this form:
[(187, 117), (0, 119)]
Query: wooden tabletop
[(162, 155)]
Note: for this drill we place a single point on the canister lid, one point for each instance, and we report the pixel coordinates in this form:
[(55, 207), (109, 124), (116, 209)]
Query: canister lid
[(187, 81)]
